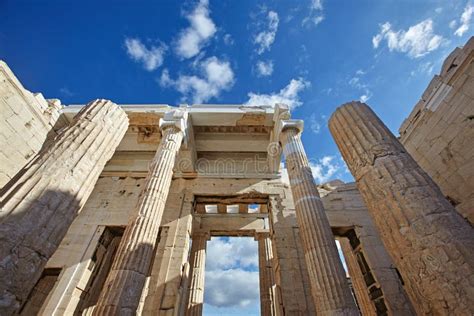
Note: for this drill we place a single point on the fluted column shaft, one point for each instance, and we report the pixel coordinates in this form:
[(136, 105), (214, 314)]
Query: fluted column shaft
[(431, 244), (366, 306), (267, 275), (124, 284), (198, 267), (329, 287), (40, 203)]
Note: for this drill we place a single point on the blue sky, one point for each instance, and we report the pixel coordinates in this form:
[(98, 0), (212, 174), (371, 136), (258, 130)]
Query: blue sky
[(312, 54)]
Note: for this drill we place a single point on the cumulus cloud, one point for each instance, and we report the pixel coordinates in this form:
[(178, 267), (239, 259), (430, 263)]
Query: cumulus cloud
[(289, 95), (231, 277), (465, 20), (416, 42), (234, 287), (232, 253), (358, 84), (151, 58), (315, 14), (265, 38), (324, 168), (215, 76), (201, 29), (264, 68)]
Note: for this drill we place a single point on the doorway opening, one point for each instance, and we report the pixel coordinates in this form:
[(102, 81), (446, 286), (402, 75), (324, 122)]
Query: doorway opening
[(231, 284)]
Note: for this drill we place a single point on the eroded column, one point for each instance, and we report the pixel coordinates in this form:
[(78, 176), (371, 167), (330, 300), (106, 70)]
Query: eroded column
[(366, 306), (431, 244), (38, 207), (329, 287), (124, 284), (198, 267), (267, 275)]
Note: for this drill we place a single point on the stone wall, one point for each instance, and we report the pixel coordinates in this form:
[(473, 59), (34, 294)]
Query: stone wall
[(26, 119), (439, 132), (113, 201), (110, 204)]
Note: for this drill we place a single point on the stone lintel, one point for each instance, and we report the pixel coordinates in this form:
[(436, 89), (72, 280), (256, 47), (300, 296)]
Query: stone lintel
[(260, 235)]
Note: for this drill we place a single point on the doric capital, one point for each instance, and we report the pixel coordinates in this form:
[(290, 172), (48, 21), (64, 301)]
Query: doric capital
[(291, 124), (175, 118)]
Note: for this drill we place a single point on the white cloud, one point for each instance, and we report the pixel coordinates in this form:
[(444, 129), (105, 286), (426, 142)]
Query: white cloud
[(265, 38), (264, 68), (231, 277), (356, 83), (289, 95), (202, 28), (426, 68), (316, 5), (151, 58), (365, 97), (228, 40), (324, 168), (315, 15), (453, 24), (417, 41), (465, 20), (314, 124), (235, 287), (231, 253), (312, 20), (215, 76)]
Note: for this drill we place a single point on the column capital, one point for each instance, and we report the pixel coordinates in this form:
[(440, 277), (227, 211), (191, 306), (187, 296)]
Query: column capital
[(282, 112), (291, 124), (176, 118)]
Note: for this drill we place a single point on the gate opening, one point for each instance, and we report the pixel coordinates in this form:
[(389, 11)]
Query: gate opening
[(231, 284)]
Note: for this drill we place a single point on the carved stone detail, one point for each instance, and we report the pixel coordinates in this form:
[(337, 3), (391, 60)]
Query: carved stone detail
[(40, 205), (123, 287), (331, 293), (431, 244)]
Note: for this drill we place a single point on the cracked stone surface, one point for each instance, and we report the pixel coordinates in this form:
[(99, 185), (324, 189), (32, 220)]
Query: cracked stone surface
[(39, 207), (431, 244)]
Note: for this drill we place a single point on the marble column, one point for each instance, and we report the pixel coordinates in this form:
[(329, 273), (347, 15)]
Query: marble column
[(198, 267), (430, 243), (361, 292), (124, 284), (267, 275), (331, 293), (40, 203)]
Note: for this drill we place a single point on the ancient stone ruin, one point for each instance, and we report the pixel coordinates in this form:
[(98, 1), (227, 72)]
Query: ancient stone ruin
[(107, 209)]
